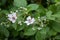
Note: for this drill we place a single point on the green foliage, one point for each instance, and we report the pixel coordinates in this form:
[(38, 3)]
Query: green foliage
[(20, 3), (57, 37), (23, 21), (57, 0), (32, 7), (29, 32), (4, 31), (42, 34), (49, 15), (2, 2), (56, 26)]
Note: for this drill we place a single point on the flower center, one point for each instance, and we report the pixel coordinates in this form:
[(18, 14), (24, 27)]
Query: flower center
[(29, 21), (13, 18)]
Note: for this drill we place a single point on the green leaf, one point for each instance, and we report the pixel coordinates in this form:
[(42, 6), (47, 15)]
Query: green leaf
[(29, 32), (41, 35), (57, 37), (38, 36), (32, 7), (57, 0), (49, 15), (56, 26), (4, 31), (52, 8), (15, 33), (57, 15), (2, 2), (20, 3), (4, 12), (13, 9), (41, 10), (14, 25), (52, 32), (20, 27)]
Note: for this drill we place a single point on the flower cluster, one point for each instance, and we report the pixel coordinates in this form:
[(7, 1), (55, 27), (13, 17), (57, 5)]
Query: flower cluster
[(42, 20), (29, 20), (12, 17)]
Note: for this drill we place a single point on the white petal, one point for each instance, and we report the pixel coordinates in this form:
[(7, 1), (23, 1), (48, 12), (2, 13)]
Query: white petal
[(32, 21), (28, 23), (29, 17), (14, 14), (10, 19), (9, 15), (13, 21)]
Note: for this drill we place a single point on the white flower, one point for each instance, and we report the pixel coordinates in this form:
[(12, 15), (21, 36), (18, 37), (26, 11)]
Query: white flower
[(29, 20), (12, 17)]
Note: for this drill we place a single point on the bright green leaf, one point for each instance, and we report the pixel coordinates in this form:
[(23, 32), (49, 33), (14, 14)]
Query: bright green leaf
[(20, 27), (52, 32), (41, 35), (29, 32), (4, 31), (32, 7), (49, 15), (20, 3), (56, 26)]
